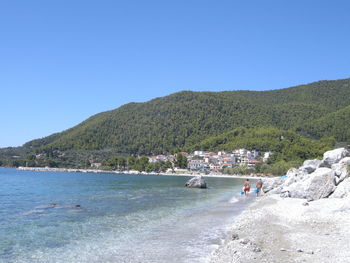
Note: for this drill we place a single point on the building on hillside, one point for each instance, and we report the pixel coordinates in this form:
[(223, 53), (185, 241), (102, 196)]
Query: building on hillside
[(198, 165)]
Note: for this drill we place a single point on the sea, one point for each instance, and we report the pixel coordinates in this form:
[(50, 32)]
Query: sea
[(102, 217)]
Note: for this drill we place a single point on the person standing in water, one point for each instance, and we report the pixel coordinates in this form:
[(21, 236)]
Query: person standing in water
[(246, 187), (258, 185)]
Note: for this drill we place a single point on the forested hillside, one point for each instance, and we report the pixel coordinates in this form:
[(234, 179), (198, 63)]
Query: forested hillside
[(184, 119)]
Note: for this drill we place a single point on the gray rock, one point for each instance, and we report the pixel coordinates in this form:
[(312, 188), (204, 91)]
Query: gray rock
[(244, 241), (341, 169), (257, 249), (271, 183), (294, 175), (310, 166), (196, 182), (319, 184), (334, 156), (234, 236), (284, 193), (342, 190)]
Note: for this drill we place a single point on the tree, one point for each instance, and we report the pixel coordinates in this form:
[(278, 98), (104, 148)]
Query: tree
[(181, 161)]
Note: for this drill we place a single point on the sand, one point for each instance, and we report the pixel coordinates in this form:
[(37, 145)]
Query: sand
[(274, 229)]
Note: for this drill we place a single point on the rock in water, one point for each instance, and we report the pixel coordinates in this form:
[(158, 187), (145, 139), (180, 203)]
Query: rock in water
[(196, 182), (334, 156)]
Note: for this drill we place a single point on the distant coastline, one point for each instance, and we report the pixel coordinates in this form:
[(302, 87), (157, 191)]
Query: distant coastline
[(73, 170)]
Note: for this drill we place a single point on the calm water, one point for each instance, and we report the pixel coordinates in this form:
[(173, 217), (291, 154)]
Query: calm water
[(121, 218)]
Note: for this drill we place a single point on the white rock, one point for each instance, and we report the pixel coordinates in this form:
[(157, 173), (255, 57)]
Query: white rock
[(310, 166), (342, 190), (316, 185), (334, 156), (196, 182), (341, 169), (271, 183), (294, 175)]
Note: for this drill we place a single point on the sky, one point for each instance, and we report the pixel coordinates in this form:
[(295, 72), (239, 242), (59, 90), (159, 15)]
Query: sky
[(63, 61)]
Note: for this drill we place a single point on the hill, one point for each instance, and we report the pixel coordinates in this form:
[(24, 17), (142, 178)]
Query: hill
[(184, 119)]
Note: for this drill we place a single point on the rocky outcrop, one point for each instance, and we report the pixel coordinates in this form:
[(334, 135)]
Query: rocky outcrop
[(315, 179), (196, 182), (334, 156), (271, 183), (310, 166), (319, 184), (341, 169), (343, 189)]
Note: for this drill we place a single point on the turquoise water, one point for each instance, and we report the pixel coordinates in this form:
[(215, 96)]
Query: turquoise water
[(87, 217)]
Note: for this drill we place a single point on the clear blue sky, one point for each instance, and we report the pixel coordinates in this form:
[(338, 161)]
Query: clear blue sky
[(63, 61)]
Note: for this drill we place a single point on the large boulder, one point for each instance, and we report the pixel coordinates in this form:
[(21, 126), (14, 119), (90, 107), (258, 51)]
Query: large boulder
[(294, 175), (196, 182), (341, 169), (310, 166), (319, 184), (342, 190), (334, 156), (271, 183)]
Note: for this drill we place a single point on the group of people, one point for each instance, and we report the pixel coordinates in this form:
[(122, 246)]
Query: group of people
[(258, 185)]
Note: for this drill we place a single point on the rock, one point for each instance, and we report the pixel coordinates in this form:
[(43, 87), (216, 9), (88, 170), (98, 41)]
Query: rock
[(294, 175), (305, 204), (244, 241), (271, 183), (319, 184), (234, 236), (342, 190), (341, 169), (284, 194), (196, 182), (334, 156), (256, 249), (310, 166)]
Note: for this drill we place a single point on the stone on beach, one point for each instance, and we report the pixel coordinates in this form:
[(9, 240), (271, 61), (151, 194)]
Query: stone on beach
[(196, 182), (271, 183), (319, 184), (343, 189), (334, 156), (341, 169), (310, 166)]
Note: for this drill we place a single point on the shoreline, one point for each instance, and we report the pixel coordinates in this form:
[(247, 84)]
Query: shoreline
[(73, 170), (273, 229)]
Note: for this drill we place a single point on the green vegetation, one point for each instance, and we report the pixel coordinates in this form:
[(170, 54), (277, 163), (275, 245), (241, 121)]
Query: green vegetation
[(181, 161), (286, 145), (121, 163), (289, 149), (170, 123), (185, 120)]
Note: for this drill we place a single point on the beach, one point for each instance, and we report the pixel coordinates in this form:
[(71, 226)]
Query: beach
[(76, 170), (274, 229)]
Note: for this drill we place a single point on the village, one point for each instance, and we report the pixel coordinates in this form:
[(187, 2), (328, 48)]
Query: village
[(215, 162)]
